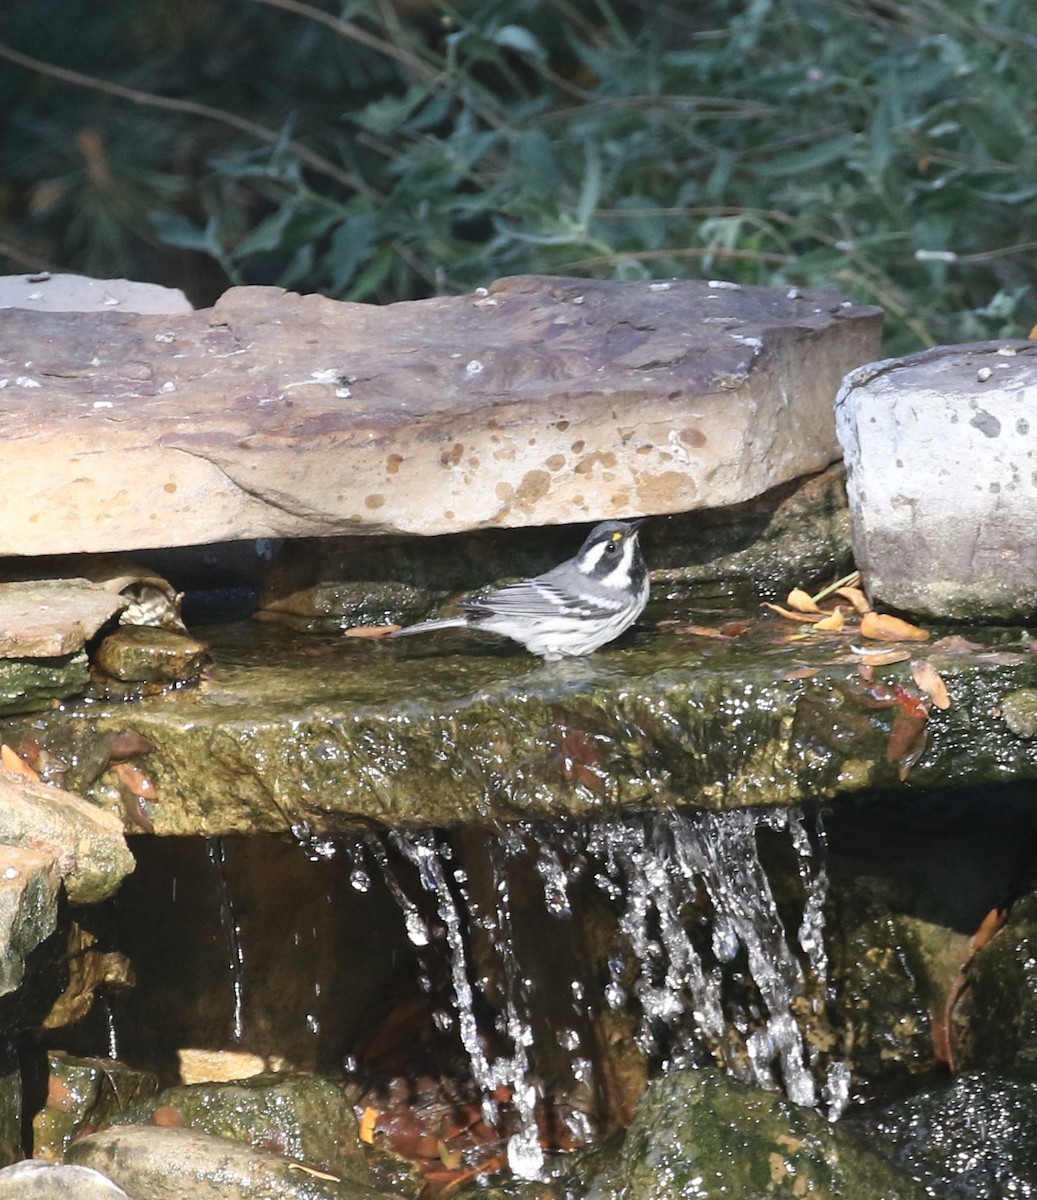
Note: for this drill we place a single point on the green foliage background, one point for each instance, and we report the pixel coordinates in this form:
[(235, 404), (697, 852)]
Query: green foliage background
[(377, 151)]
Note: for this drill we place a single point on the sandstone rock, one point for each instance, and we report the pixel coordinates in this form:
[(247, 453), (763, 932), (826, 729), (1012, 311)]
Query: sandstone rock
[(50, 618), (92, 854), (942, 479), (30, 1179), (78, 293), (536, 401), (168, 1164)]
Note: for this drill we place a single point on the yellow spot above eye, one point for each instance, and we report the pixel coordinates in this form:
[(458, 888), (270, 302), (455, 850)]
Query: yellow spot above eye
[(617, 537)]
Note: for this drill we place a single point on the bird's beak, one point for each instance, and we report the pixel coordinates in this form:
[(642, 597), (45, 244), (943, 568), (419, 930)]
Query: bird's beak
[(636, 523)]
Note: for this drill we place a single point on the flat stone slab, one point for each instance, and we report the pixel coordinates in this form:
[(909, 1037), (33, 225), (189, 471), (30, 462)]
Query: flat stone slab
[(941, 460), (50, 618), (315, 735), (535, 401), (79, 293)]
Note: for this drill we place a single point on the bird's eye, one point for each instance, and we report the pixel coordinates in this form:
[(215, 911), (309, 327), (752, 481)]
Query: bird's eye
[(611, 547)]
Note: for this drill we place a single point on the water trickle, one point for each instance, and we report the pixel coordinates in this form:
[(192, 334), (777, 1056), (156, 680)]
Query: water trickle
[(216, 852)]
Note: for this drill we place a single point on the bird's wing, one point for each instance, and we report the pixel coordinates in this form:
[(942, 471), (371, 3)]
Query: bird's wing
[(537, 599)]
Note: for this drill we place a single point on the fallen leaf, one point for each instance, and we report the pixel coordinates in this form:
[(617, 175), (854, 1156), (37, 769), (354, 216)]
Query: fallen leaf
[(706, 631), (370, 631), (931, 681), (298, 1166), (451, 1159), (833, 622), (793, 616), (879, 656), (801, 601), (803, 673), (368, 1124), (991, 924), (856, 597), (909, 735), (881, 627), (954, 643), (17, 765), (735, 628), (135, 781)]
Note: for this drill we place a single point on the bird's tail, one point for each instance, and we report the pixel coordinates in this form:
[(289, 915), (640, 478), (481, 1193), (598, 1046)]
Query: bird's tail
[(431, 626)]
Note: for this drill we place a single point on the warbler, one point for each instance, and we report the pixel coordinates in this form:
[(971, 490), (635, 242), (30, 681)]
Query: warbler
[(570, 610)]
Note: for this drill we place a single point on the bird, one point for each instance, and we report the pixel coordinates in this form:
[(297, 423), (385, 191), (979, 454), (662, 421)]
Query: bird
[(571, 610)]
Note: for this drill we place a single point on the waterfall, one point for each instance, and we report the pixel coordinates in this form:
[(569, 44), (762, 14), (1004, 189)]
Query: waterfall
[(702, 954)]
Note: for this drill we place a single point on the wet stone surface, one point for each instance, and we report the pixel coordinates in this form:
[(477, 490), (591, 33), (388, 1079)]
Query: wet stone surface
[(318, 733)]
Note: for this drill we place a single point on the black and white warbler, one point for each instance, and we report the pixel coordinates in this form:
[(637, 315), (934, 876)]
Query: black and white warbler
[(570, 610)]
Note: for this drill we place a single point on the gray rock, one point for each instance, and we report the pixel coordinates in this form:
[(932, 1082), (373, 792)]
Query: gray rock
[(30, 882), (535, 401), (78, 293), (941, 458), (168, 1164), (972, 1138), (301, 1116), (52, 1181)]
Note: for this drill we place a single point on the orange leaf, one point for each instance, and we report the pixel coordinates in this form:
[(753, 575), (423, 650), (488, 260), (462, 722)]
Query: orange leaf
[(799, 617), (802, 602), (991, 924), (802, 673), (856, 597), (833, 622), (370, 631), (135, 781), (875, 656), (368, 1124), (881, 627), (16, 764), (930, 680), (706, 631)]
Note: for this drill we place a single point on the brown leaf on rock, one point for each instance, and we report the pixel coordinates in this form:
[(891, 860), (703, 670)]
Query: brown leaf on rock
[(802, 673), (856, 597), (801, 601), (370, 631), (833, 622), (909, 735), (882, 627), (706, 631), (799, 617), (989, 927), (954, 643), (135, 781), (876, 656), (16, 764), (931, 681)]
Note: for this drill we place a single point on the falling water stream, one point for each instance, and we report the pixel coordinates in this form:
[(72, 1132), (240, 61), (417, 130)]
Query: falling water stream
[(666, 876), (535, 946)]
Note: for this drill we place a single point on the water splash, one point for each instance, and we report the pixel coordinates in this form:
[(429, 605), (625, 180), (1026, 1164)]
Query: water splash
[(702, 957)]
